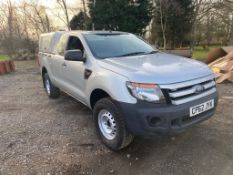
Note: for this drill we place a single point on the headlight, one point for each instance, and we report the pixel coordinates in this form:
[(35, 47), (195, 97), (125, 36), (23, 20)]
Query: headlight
[(146, 92)]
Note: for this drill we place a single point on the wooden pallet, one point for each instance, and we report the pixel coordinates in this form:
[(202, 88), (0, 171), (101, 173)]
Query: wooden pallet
[(223, 68)]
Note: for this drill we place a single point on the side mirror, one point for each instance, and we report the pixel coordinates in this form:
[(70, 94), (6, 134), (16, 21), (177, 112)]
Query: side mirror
[(74, 55)]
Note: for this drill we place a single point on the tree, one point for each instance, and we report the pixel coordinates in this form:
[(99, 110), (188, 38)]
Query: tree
[(174, 21), (9, 12), (202, 9), (215, 23), (163, 14), (78, 22), (63, 6), (125, 15), (37, 15), (229, 5), (21, 25), (85, 17)]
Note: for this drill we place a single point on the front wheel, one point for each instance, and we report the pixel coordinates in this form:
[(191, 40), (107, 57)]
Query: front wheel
[(51, 90), (110, 125)]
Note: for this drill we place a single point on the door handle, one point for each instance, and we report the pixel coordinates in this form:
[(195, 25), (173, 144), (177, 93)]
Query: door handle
[(64, 64)]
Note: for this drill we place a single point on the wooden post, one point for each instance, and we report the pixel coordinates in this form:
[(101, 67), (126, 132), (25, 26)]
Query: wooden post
[(231, 39)]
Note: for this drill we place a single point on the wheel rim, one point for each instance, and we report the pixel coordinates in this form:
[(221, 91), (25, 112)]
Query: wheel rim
[(107, 124), (47, 86)]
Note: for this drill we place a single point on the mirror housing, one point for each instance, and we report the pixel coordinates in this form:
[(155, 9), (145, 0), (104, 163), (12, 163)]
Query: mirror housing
[(74, 55)]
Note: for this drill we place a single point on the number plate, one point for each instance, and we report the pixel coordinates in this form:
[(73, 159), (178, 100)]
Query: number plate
[(195, 110)]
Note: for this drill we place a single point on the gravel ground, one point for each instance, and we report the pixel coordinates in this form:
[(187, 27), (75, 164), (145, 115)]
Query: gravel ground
[(43, 136)]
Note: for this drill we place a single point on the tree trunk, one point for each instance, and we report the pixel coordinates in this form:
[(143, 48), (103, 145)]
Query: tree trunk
[(163, 26), (63, 5), (68, 21), (231, 39), (85, 15), (10, 27), (66, 14)]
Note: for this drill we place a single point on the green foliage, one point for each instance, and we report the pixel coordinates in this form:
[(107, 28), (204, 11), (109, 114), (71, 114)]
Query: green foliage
[(177, 18), (123, 15), (200, 52), (3, 57), (11, 45), (78, 22)]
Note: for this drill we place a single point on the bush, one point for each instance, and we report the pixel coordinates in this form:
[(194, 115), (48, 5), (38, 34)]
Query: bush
[(11, 46)]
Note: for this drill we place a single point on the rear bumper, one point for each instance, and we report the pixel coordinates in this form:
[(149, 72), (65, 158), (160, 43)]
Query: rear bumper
[(149, 119)]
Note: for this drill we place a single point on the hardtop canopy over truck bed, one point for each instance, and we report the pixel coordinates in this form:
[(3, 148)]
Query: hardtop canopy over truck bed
[(131, 87)]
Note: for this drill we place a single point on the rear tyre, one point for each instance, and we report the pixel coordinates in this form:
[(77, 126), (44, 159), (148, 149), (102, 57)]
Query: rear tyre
[(110, 125), (51, 90)]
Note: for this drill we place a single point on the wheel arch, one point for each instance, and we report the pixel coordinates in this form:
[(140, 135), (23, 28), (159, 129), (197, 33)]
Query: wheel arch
[(44, 71), (96, 95)]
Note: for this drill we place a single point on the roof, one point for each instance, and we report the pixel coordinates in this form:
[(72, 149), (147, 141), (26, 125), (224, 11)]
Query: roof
[(84, 32), (106, 32)]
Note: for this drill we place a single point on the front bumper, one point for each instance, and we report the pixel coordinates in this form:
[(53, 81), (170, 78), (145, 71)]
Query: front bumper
[(145, 118)]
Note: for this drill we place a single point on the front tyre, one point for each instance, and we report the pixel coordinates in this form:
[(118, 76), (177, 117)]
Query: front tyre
[(110, 125), (51, 90)]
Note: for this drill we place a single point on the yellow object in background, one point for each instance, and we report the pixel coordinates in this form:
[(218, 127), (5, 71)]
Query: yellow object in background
[(216, 70)]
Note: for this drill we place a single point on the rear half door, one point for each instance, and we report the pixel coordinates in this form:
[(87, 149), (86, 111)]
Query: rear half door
[(58, 62)]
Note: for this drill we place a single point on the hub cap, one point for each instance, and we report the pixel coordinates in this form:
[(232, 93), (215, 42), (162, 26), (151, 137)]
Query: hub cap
[(107, 124), (47, 86)]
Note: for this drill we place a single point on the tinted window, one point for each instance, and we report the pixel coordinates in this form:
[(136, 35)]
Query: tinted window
[(116, 45), (74, 43), (45, 43)]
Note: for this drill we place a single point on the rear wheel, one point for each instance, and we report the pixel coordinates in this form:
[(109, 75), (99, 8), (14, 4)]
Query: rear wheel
[(51, 90), (110, 125)]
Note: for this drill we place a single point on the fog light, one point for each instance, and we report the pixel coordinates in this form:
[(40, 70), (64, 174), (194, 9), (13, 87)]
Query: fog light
[(155, 121)]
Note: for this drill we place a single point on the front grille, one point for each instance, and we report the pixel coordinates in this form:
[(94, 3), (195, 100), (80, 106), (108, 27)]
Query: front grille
[(185, 92)]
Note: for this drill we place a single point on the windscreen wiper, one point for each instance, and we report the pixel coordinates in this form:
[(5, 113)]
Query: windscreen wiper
[(132, 54), (152, 52)]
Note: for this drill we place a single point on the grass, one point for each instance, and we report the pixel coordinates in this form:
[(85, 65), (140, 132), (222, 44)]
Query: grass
[(201, 53), (3, 57)]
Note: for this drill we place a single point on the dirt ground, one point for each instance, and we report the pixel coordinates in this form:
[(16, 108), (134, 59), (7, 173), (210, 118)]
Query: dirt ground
[(43, 136)]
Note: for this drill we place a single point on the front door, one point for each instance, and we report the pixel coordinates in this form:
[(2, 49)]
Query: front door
[(73, 71)]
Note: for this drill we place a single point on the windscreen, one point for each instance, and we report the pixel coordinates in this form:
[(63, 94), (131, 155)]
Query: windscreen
[(116, 45)]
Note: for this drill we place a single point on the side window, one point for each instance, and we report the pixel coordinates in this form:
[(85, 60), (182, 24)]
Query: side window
[(61, 46), (74, 43), (45, 43)]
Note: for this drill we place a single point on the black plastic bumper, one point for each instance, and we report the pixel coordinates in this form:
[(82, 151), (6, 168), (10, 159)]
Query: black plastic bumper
[(145, 118)]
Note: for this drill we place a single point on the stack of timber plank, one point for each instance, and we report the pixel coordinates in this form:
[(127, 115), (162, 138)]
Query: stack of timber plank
[(220, 60)]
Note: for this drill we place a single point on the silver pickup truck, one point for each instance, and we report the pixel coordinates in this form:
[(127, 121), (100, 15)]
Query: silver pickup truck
[(132, 88)]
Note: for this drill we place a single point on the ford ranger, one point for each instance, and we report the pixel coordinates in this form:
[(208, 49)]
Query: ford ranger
[(132, 88)]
